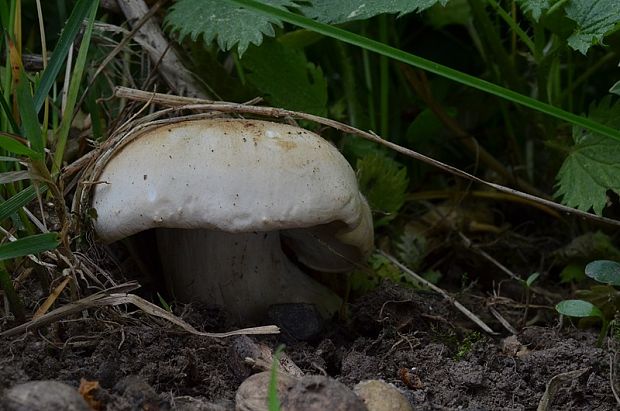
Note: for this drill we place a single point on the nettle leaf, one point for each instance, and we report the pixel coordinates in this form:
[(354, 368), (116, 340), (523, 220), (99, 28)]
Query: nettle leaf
[(218, 20), (286, 78), (384, 183), (594, 19), (334, 12), (592, 166), (536, 7)]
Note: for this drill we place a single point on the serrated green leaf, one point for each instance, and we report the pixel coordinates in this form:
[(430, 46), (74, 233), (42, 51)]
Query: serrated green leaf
[(536, 7), (592, 166), (594, 19), (225, 23), (424, 64), (33, 244), (286, 78), (578, 308), (335, 12), (384, 183), (411, 248), (604, 271)]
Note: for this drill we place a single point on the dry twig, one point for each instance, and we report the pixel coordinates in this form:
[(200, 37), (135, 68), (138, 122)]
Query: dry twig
[(444, 294), (120, 295)]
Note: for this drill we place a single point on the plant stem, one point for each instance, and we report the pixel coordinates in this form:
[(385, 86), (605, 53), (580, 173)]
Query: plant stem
[(17, 308), (384, 84)]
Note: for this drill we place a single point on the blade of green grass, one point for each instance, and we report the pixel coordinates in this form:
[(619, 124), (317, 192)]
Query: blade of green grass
[(428, 65), (30, 122), (33, 244), (14, 146), (74, 87), (13, 204), (69, 33), (7, 112), (14, 176), (273, 402), (17, 308)]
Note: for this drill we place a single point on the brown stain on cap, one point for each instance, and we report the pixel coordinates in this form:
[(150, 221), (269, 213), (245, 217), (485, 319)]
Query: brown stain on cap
[(286, 145)]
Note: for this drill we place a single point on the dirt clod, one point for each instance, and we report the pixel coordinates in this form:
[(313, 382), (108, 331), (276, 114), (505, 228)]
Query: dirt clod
[(319, 393)]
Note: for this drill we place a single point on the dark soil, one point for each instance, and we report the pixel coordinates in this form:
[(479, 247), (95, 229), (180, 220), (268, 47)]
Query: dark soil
[(414, 340)]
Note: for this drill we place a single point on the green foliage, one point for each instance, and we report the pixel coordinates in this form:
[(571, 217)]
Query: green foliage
[(531, 279), (286, 78), (33, 244), (578, 308), (465, 346), (273, 402), (592, 166), (454, 12), (430, 66), (28, 92), (604, 271), (13, 204), (411, 249), (384, 183), (335, 12), (594, 19), (536, 7), (226, 23), (381, 269), (231, 25), (67, 37), (572, 273), (601, 301)]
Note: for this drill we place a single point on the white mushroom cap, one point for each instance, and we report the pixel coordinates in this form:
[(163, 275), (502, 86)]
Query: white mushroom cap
[(238, 176)]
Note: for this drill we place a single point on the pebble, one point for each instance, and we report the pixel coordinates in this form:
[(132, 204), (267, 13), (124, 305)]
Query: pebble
[(252, 393), (308, 393), (378, 395), (43, 395)]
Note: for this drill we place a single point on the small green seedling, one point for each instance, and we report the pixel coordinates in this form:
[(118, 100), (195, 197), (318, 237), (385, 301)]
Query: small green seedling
[(273, 402), (527, 284), (604, 300)]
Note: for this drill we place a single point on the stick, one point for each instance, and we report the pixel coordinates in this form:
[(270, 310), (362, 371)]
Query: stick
[(444, 294), (119, 295)]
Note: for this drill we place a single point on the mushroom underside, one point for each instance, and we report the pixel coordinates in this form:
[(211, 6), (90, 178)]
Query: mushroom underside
[(246, 273)]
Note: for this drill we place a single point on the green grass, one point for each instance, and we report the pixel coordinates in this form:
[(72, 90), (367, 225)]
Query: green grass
[(430, 66)]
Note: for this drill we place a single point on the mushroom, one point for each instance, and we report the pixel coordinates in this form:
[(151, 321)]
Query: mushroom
[(238, 206)]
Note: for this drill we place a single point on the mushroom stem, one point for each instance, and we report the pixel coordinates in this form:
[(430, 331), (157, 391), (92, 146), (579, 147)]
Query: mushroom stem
[(244, 272)]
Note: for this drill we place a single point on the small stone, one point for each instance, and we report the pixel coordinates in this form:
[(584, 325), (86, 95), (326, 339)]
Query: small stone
[(297, 321), (247, 356), (43, 395), (187, 403), (381, 396), (252, 393), (319, 393)]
